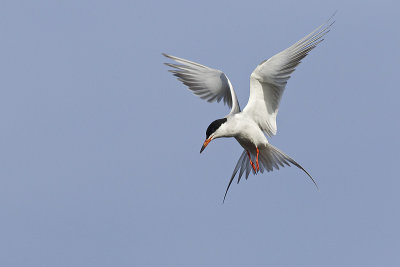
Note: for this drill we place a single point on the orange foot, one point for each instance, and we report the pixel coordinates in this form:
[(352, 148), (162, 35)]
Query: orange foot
[(258, 166), (251, 162)]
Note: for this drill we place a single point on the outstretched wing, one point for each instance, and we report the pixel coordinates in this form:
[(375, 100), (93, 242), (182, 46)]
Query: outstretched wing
[(268, 80), (209, 84)]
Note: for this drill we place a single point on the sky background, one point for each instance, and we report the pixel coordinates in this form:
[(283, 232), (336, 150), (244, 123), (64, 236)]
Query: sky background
[(99, 144)]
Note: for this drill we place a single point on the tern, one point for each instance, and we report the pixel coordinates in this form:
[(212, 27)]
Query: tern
[(258, 119)]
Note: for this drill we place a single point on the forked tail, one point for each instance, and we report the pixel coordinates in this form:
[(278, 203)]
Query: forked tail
[(269, 159)]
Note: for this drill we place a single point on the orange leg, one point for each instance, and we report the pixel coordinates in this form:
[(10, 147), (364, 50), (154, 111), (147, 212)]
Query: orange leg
[(251, 162), (258, 166)]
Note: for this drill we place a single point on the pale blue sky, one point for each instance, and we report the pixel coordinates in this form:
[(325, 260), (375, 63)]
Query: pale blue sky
[(100, 162)]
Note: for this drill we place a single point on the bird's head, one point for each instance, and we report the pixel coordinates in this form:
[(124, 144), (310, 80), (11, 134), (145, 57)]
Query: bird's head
[(214, 130)]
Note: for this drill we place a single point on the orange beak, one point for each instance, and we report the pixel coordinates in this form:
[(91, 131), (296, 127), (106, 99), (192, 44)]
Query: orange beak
[(205, 144)]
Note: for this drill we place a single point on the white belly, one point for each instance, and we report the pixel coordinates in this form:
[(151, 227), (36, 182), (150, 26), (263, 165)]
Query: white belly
[(248, 134)]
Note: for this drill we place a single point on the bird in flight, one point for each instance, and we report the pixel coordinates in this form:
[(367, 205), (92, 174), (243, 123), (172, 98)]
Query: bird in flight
[(258, 119)]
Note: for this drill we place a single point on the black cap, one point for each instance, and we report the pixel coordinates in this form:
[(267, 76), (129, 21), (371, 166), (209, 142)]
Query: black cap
[(214, 126)]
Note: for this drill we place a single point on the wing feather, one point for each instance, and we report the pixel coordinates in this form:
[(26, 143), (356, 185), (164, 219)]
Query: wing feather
[(207, 83), (268, 80)]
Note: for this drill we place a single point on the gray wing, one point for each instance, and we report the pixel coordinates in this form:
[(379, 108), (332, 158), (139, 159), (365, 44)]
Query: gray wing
[(207, 83), (268, 80)]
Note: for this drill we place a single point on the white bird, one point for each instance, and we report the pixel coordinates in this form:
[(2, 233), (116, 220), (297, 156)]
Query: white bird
[(248, 127)]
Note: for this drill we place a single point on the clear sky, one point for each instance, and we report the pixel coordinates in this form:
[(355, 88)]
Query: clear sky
[(99, 144)]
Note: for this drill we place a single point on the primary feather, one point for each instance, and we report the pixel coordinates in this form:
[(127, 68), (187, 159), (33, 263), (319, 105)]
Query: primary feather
[(208, 83), (269, 79)]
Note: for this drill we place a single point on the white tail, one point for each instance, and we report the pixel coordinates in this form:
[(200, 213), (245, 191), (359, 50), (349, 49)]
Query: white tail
[(269, 159)]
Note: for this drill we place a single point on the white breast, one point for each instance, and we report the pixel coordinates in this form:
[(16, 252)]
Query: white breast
[(246, 131)]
